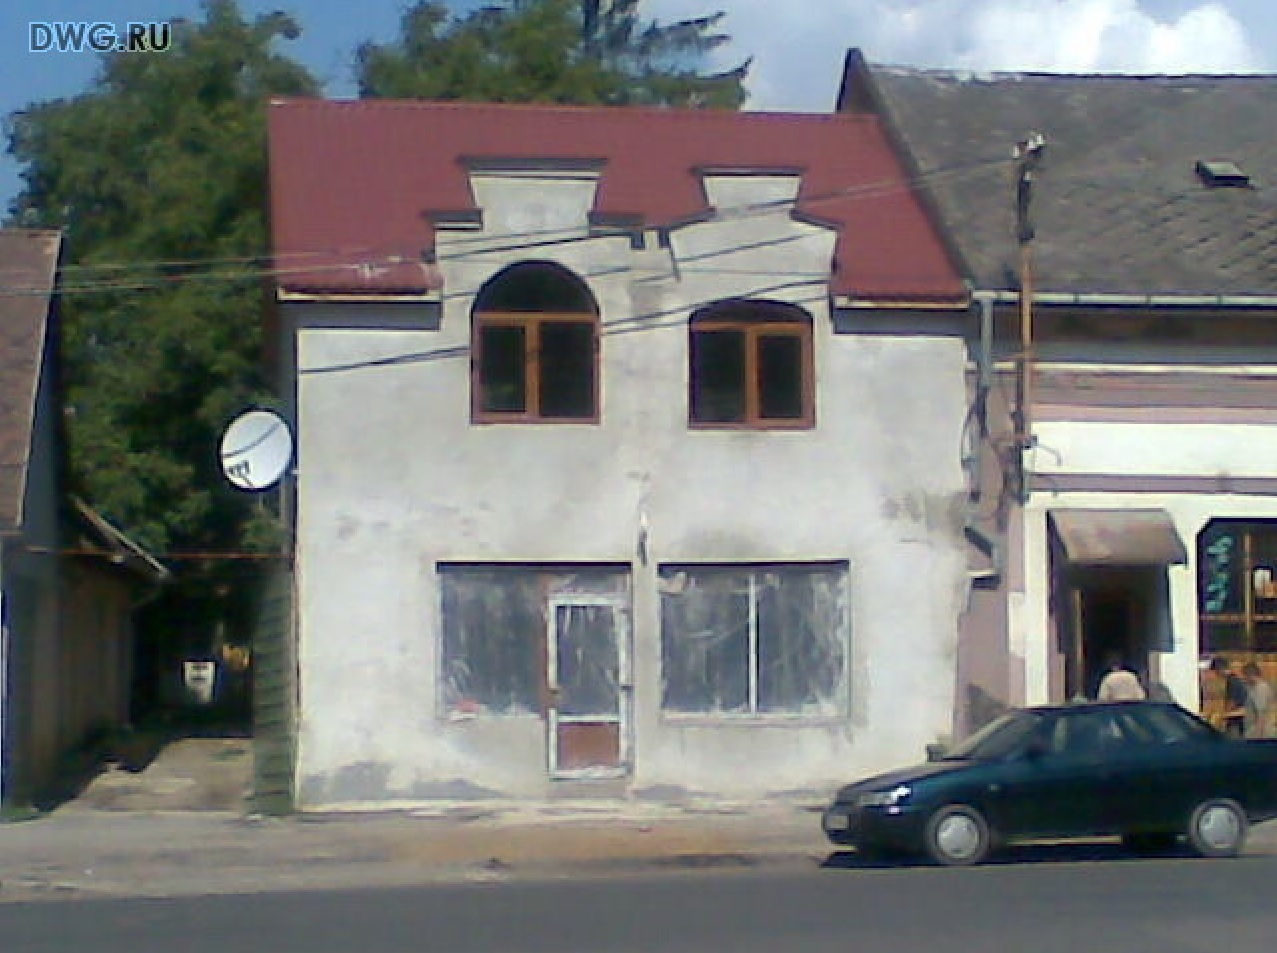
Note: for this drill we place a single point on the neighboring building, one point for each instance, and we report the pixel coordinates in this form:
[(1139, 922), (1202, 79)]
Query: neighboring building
[(1141, 515), (30, 734), (629, 447), (105, 577), (67, 577)]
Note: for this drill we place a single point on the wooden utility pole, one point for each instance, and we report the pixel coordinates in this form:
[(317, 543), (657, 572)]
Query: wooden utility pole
[(1028, 154)]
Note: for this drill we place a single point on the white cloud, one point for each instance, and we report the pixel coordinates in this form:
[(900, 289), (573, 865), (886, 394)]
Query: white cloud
[(798, 46), (1102, 36)]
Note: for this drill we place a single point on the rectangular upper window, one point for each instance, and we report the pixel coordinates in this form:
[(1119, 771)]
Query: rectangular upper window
[(751, 367), (534, 367), (754, 640)]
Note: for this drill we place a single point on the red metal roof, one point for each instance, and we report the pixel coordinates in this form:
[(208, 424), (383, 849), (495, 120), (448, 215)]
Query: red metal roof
[(356, 186)]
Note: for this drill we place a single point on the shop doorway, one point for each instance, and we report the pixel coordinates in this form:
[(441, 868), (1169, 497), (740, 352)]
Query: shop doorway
[(1110, 594), (1111, 620)]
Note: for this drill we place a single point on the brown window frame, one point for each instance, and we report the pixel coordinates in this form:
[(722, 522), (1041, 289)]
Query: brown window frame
[(754, 329), (530, 321)]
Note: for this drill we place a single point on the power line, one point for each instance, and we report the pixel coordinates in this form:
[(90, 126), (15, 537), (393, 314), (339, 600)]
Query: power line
[(268, 266)]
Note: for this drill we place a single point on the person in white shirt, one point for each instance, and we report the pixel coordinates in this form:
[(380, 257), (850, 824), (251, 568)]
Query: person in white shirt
[(1119, 684)]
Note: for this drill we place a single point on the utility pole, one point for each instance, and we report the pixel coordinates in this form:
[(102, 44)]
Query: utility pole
[(1028, 154)]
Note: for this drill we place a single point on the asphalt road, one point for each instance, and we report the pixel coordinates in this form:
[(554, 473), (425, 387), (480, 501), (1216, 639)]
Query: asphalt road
[(1048, 901)]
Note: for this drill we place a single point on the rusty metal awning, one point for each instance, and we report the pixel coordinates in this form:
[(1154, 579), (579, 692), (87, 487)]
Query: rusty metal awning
[(1119, 537)]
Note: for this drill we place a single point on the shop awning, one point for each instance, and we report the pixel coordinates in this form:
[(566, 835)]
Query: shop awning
[(1119, 537)]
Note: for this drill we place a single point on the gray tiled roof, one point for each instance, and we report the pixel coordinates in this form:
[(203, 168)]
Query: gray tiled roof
[(1117, 205), (28, 264)]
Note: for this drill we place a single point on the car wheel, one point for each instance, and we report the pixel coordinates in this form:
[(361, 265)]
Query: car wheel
[(1217, 828), (957, 836), (1148, 843)]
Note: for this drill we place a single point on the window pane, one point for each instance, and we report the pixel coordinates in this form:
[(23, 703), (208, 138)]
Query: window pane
[(533, 286), (1263, 545), (1222, 636), (705, 640), (493, 628), (780, 377), (503, 368), (567, 369), (718, 376), (802, 633), (1221, 569), (1168, 725), (587, 660), (1265, 636)]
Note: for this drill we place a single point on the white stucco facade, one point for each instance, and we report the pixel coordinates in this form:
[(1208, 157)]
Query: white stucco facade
[(395, 480)]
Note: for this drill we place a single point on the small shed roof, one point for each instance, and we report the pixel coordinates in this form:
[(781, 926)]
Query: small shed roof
[(1119, 537)]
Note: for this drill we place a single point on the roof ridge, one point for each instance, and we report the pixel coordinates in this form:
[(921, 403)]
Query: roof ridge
[(962, 74), (578, 109)]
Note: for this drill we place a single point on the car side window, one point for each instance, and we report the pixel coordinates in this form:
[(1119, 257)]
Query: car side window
[(1136, 730), (1169, 726), (1079, 736)]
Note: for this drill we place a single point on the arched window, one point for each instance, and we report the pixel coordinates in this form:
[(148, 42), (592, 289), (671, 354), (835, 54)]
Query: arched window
[(535, 348), (751, 366)]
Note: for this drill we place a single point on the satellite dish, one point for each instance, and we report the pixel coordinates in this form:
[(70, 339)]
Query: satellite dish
[(256, 450)]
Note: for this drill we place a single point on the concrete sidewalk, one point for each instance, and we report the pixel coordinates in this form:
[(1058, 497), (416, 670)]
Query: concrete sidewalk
[(76, 852), (179, 827)]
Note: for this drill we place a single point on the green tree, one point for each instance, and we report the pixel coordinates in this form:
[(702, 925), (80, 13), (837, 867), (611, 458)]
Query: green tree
[(157, 176), (594, 52)]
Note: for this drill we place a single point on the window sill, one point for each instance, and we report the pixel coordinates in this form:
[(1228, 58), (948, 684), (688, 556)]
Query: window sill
[(766, 720), (457, 717), (785, 426), (525, 421)]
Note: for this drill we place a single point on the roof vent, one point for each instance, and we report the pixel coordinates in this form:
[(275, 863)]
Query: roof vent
[(1220, 173)]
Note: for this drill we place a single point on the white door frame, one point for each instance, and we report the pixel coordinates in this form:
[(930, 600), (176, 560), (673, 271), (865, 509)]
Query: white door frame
[(621, 631)]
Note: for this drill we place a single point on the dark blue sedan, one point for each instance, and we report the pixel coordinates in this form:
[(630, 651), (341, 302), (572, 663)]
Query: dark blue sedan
[(1152, 773)]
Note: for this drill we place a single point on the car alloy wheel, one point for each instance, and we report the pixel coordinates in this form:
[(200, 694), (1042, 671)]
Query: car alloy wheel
[(957, 836), (1217, 828)]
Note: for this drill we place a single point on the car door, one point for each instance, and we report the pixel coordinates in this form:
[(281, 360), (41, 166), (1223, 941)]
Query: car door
[(1169, 763), (1059, 786)]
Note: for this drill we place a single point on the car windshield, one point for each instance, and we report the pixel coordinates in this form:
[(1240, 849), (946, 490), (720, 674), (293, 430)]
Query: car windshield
[(999, 738)]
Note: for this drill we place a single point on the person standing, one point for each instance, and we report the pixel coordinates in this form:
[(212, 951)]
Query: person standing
[(1259, 718), (1224, 698), (1119, 684)]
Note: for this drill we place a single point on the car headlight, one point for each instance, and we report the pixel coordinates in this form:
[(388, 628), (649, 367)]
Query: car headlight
[(890, 798)]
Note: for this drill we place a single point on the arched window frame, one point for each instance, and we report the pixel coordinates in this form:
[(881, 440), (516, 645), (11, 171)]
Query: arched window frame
[(524, 358), (748, 325)]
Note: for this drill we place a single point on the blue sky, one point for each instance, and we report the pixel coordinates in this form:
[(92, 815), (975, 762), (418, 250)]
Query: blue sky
[(797, 54)]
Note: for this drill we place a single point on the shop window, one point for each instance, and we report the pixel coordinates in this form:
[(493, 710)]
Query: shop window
[(754, 640), (535, 348), (1237, 587), (751, 367), (494, 624)]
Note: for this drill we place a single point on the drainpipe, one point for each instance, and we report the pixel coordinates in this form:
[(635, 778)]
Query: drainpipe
[(1028, 155), (984, 385)]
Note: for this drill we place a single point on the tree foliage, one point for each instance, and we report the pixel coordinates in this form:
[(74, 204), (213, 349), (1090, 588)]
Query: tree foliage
[(594, 52), (157, 176)]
